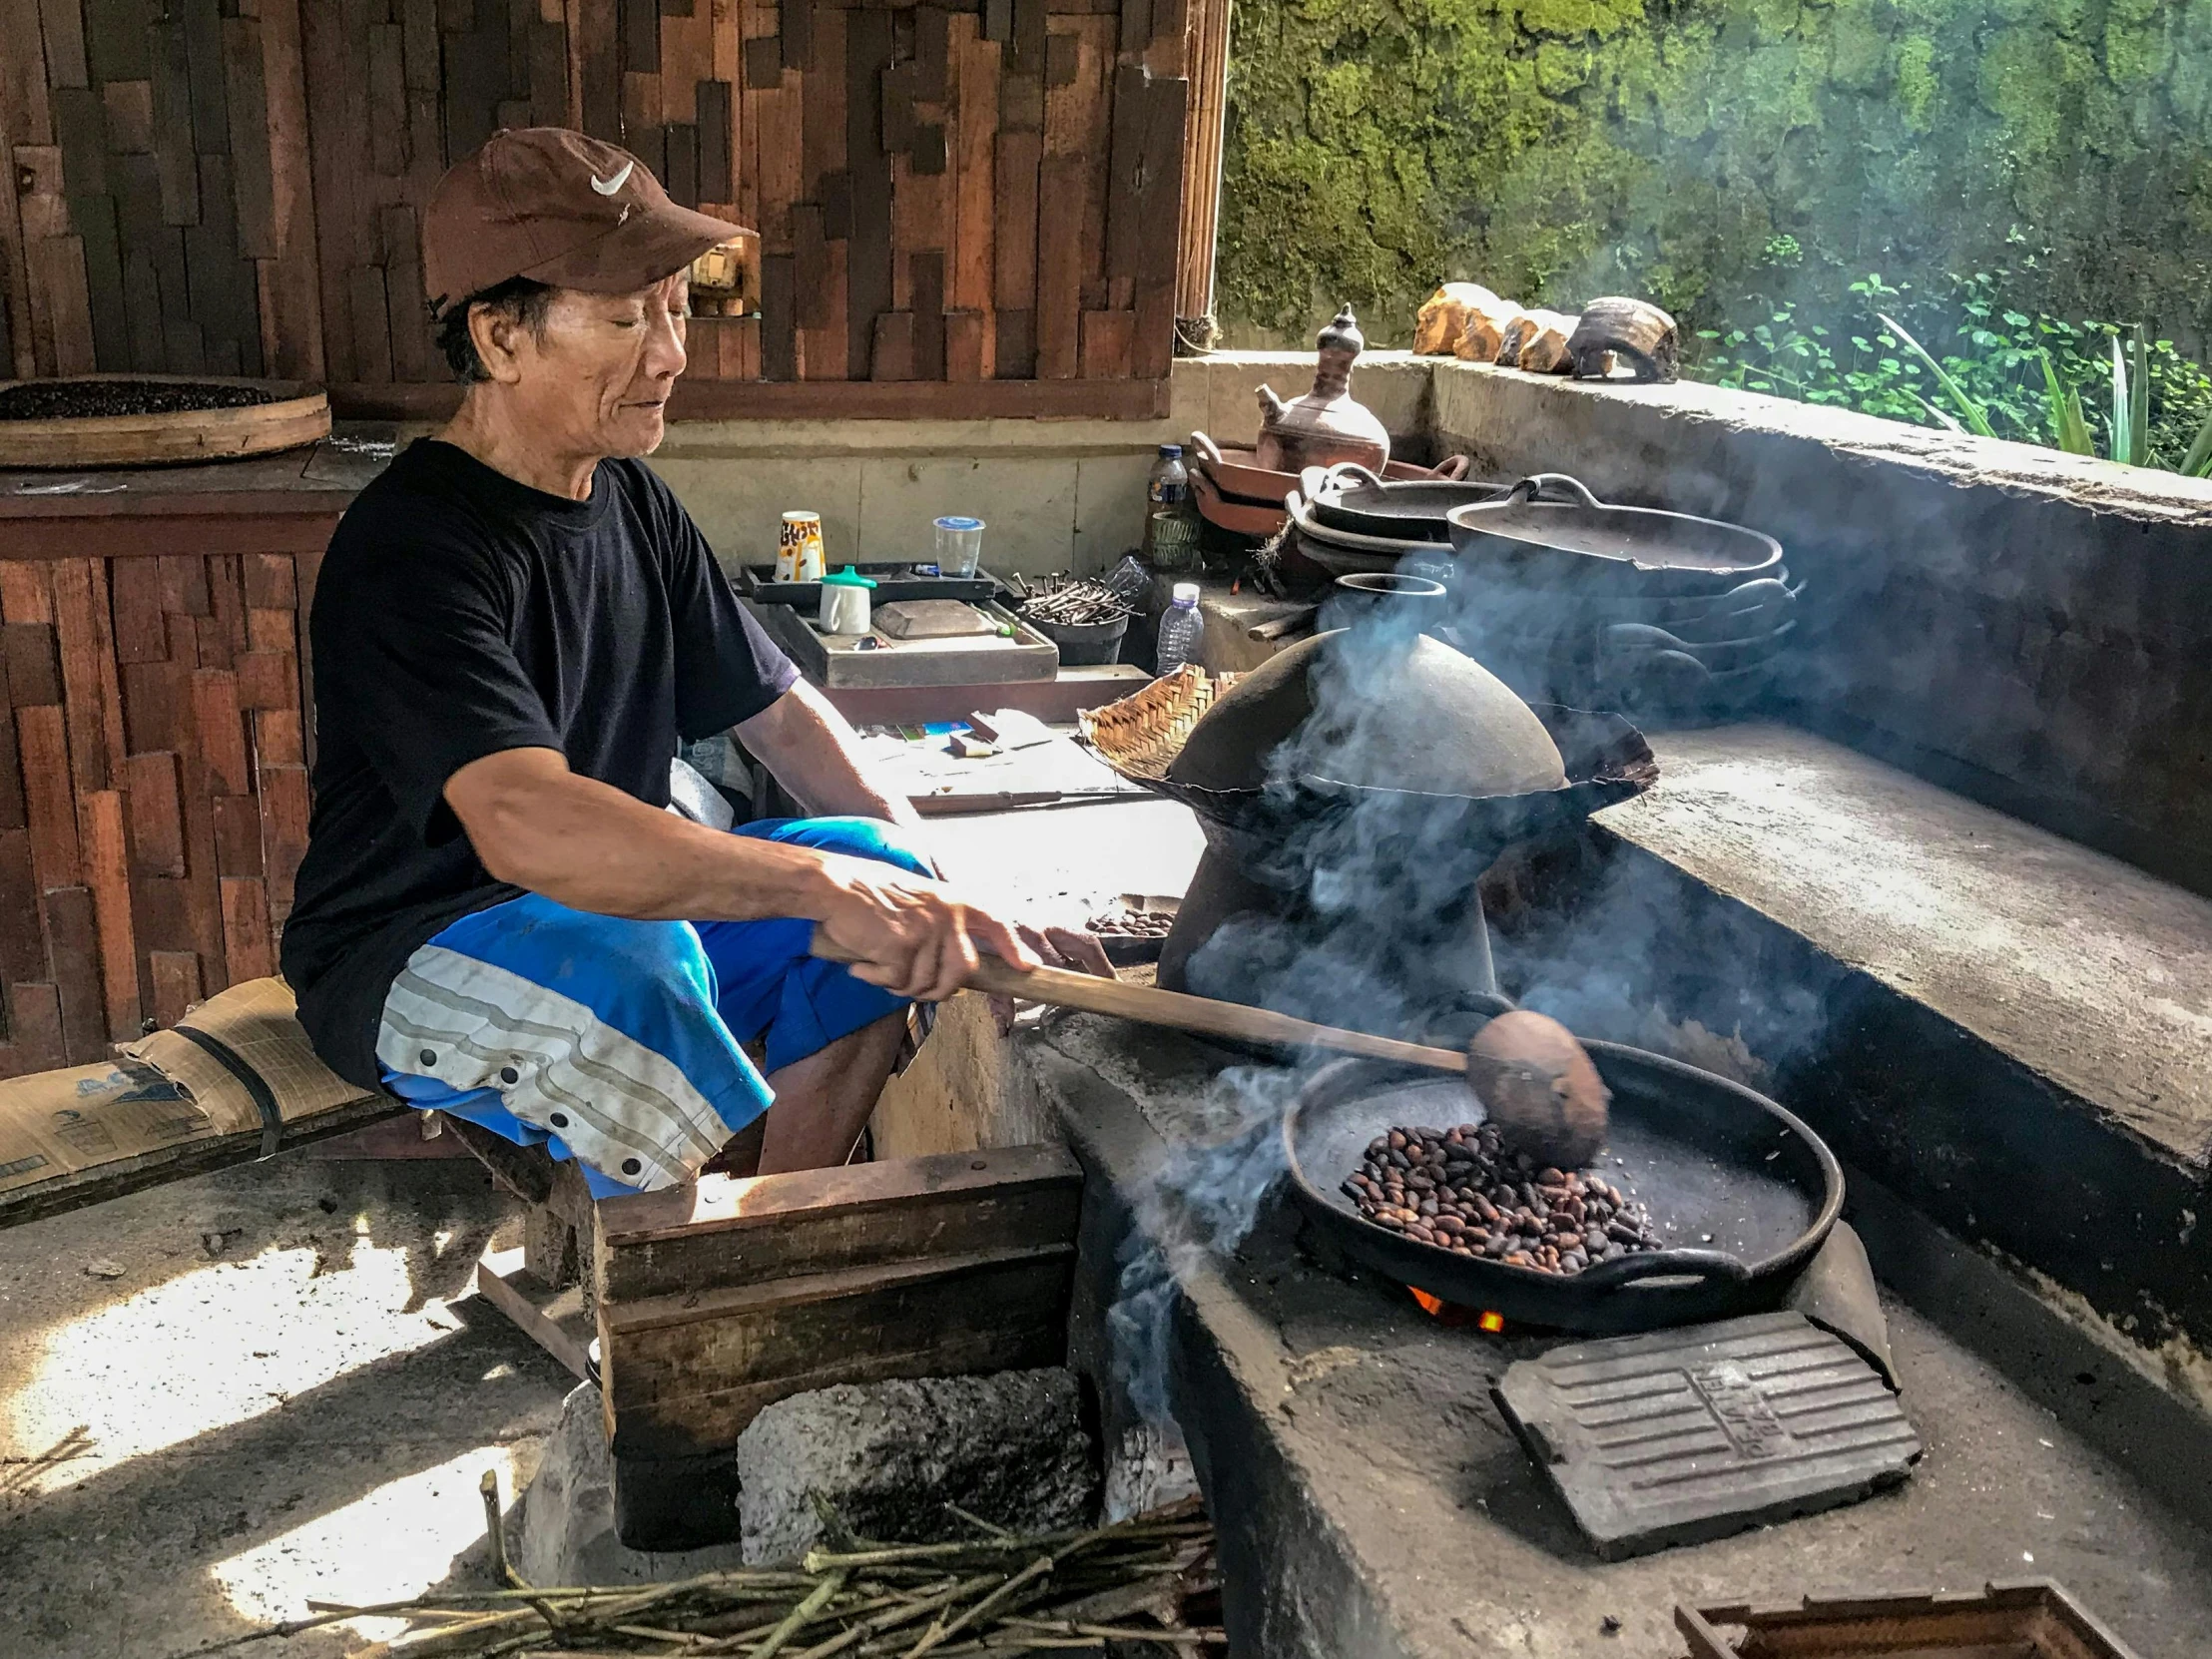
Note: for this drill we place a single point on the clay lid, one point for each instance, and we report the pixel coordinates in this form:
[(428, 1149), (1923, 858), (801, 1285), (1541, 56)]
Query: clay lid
[(1387, 713), (1343, 335)]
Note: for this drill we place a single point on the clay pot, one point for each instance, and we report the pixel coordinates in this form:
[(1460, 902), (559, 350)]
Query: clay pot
[(1327, 426)]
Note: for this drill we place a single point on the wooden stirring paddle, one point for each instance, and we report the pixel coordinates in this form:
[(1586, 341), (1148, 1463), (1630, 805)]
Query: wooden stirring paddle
[(1529, 1074)]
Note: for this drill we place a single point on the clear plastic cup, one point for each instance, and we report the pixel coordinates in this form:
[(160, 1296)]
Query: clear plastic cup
[(959, 546)]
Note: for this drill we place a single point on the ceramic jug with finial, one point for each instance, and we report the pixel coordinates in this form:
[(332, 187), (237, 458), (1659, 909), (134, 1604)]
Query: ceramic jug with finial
[(1328, 424)]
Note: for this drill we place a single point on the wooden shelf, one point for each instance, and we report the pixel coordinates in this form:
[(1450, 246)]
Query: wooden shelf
[(823, 399)]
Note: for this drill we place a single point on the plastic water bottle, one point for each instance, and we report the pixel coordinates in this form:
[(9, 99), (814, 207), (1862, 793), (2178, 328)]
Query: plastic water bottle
[(1170, 513), (1182, 631), (1130, 582), (1169, 483)]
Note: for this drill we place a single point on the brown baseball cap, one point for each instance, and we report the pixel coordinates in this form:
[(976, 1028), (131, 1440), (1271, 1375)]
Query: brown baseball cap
[(559, 207)]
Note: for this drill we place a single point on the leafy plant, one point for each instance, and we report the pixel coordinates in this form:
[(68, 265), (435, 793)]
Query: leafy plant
[(2069, 426), (1963, 359), (1977, 418)]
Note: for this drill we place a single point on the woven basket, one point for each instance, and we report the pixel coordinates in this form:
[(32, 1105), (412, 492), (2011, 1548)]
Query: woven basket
[(1140, 736)]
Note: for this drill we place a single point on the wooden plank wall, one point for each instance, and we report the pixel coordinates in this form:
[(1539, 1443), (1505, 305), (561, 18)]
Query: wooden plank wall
[(153, 790), (160, 218), (958, 191)]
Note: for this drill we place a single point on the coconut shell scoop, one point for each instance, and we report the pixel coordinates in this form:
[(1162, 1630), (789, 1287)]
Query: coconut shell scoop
[(1526, 1071), (1539, 1088)]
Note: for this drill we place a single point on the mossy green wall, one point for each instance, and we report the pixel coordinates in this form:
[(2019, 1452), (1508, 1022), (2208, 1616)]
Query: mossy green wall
[(1557, 149)]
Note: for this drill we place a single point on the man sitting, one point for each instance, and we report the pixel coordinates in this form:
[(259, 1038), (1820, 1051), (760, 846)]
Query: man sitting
[(515, 624)]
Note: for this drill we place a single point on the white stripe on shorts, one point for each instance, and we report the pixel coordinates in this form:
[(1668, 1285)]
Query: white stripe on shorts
[(621, 1099)]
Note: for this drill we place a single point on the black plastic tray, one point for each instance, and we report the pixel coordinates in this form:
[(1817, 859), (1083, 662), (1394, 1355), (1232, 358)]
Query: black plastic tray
[(896, 579)]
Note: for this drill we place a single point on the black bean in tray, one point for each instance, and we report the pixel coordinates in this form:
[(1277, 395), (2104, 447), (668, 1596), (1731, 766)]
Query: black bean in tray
[(1455, 1189)]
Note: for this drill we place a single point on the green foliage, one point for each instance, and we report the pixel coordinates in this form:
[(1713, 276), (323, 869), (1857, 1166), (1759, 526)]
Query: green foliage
[(1560, 148), (1991, 369)]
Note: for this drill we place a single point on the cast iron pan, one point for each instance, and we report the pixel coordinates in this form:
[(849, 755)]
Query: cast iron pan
[(1355, 499), (1705, 1155), (1620, 550)]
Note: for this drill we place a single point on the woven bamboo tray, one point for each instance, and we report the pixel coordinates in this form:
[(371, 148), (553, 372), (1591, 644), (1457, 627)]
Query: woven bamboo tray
[(1140, 736), (299, 413)]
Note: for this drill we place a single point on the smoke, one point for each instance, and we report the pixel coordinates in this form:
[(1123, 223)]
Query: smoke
[(1199, 1202), (1385, 935)]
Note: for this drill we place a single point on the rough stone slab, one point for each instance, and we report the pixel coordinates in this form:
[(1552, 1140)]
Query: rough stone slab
[(564, 1529), (2086, 971), (1010, 1448), (1675, 1437)]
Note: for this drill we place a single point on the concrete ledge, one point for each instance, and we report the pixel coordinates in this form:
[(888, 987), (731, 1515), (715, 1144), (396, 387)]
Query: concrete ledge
[(1489, 406), (2030, 626), (1058, 494), (2003, 1027)]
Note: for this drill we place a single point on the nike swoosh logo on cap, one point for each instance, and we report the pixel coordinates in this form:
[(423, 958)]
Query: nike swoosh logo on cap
[(607, 187)]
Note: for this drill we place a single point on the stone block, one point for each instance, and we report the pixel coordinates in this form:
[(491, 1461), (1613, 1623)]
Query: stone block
[(563, 1529), (1012, 1449)]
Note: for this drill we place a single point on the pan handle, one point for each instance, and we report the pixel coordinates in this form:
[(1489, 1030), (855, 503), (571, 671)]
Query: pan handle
[(1704, 1264), (1208, 449), (1537, 482), (1353, 469), (1450, 469)]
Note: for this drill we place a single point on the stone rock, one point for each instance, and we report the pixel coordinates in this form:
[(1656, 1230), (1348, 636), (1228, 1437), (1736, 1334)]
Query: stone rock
[(1010, 1448), (563, 1529)]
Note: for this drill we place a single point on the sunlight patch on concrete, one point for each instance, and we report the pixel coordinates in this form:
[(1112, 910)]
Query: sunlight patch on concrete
[(393, 1542), (217, 1345)]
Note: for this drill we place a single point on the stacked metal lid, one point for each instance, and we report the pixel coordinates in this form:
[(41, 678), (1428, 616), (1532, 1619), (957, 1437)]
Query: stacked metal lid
[(1564, 597)]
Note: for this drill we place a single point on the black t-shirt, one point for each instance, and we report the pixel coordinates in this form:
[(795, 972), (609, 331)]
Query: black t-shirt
[(459, 612)]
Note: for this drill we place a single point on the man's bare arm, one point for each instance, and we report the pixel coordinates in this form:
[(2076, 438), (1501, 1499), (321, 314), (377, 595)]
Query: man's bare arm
[(813, 752), (582, 843)]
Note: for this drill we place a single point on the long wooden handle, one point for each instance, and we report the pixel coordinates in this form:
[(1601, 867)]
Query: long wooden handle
[(1180, 1012)]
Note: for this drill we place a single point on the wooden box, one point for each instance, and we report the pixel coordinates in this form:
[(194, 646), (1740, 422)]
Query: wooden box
[(2024, 1619), (717, 1301)]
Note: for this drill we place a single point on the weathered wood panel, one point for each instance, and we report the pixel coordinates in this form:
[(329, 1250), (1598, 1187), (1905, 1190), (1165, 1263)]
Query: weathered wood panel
[(236, 186), (717, 1299), (153, 788)]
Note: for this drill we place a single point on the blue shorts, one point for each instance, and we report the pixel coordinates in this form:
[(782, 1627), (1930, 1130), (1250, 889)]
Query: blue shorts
[(616, 1042)]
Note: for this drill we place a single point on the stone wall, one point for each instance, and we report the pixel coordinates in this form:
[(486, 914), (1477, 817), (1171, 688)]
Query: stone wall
[(1558, 147), (2027, 627), (1054, 494)]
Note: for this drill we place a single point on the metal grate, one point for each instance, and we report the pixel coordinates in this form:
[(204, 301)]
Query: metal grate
[(1679, 1436)]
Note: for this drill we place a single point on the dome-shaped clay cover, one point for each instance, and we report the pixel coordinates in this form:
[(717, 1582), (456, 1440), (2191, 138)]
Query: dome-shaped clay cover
[(1387, 711)]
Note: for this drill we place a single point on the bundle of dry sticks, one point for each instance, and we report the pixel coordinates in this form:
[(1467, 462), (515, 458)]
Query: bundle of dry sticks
[(1137, 1581)]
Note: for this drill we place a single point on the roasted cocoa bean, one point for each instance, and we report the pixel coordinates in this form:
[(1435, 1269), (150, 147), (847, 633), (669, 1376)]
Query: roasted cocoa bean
[(1454, 1189)]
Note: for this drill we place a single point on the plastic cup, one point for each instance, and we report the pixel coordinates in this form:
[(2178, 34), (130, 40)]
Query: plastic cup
[(959, 546)]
